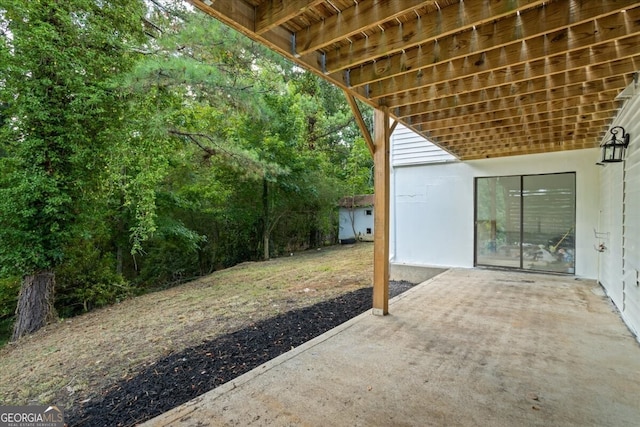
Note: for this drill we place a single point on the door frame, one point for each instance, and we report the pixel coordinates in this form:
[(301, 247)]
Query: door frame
[(521, 225)]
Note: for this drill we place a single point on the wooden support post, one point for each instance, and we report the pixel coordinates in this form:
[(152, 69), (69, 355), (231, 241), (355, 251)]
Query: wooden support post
[(379, 147), (381, 213)]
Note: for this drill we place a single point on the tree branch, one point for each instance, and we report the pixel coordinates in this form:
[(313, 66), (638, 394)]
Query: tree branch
[(276, 220), (193, 137), (197, 138), (332, 130)]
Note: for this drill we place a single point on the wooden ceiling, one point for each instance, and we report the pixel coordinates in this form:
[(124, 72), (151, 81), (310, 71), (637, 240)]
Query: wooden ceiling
[(480, 78)]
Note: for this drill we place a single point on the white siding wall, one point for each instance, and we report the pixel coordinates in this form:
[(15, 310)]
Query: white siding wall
[(410, 148), (362, 221), (610, 231), (620, 263), (432, 206), (631, 230)]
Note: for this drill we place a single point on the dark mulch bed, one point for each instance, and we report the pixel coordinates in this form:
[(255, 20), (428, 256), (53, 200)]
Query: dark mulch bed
[(182, 376)]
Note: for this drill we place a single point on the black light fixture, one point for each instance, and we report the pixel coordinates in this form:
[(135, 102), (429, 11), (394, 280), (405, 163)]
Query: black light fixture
[(613, 149)]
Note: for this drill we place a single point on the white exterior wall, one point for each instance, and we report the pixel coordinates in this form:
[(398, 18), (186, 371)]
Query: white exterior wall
[(620, 220), (609, 231), (362, 221), (409, 148), (432, 206)]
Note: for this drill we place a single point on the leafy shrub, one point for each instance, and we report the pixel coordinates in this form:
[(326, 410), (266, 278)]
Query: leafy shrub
[(171, 256), (9, 289), (88, 280)]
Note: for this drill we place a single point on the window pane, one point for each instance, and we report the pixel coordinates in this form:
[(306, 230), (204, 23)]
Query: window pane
[(549, 222), (498, 221)]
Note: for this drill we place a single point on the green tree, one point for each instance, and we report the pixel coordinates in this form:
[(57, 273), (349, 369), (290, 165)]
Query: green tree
[(60, 58), (306, 137), (189, 93), (190, 150)]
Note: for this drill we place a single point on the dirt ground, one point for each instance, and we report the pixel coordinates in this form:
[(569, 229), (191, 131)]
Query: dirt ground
[(75, 360)]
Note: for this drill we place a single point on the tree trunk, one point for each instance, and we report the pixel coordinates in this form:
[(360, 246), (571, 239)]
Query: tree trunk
[(314, 237), (35, 304), (119, 260), (120, 232)]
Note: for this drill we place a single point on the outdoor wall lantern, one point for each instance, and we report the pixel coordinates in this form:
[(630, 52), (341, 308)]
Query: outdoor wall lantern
[(613, 149)]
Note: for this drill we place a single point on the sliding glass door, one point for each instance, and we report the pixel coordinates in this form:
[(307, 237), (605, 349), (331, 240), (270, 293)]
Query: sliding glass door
[(498, 221), (526, 222)]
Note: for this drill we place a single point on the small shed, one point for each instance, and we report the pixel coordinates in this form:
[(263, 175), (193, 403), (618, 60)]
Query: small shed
[(356, 218)]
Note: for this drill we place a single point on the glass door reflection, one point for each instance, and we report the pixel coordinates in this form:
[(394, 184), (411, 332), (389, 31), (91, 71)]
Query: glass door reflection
[(498, 221), (526, 222)]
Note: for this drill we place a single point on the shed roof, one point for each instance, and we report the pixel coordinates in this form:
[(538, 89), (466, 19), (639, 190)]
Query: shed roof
[(356, 201), (480, 78)]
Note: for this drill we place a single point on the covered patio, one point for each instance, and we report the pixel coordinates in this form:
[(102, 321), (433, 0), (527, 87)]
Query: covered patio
[(467, 347), (487, 81), (482, 79)]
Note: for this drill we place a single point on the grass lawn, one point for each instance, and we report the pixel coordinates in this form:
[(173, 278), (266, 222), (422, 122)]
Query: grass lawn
[(75, 359)]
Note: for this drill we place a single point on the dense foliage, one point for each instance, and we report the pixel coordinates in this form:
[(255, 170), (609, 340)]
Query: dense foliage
[(131, 162)]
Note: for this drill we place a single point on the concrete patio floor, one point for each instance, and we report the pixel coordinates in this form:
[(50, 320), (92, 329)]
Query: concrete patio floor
[(465, 348)]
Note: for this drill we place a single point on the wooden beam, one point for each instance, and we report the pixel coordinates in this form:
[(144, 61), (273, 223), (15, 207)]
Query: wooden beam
[(356, 19), (236, 14), (462, 145), (381, 210), (493, 102), (561, 57), (273, 13), (557, 135), (611, 27), (361, 124), (511, 139), (393, 127), (442, 81), (239, 15), (521, 129), (520, 118), (546, 147), (453, 19), (497, 101), (550, 145), (479, 114), (521, 87), (530, 122)]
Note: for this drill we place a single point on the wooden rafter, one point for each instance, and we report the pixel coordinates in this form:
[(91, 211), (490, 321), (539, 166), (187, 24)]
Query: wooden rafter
[(276, 12), (526, 117), (521, 129), (498, 98), (470, 78), (362, 17), (521, 36), (522, 86), (443, 25), (529, 71), (627, 61), (483, 116), (499, 101)]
